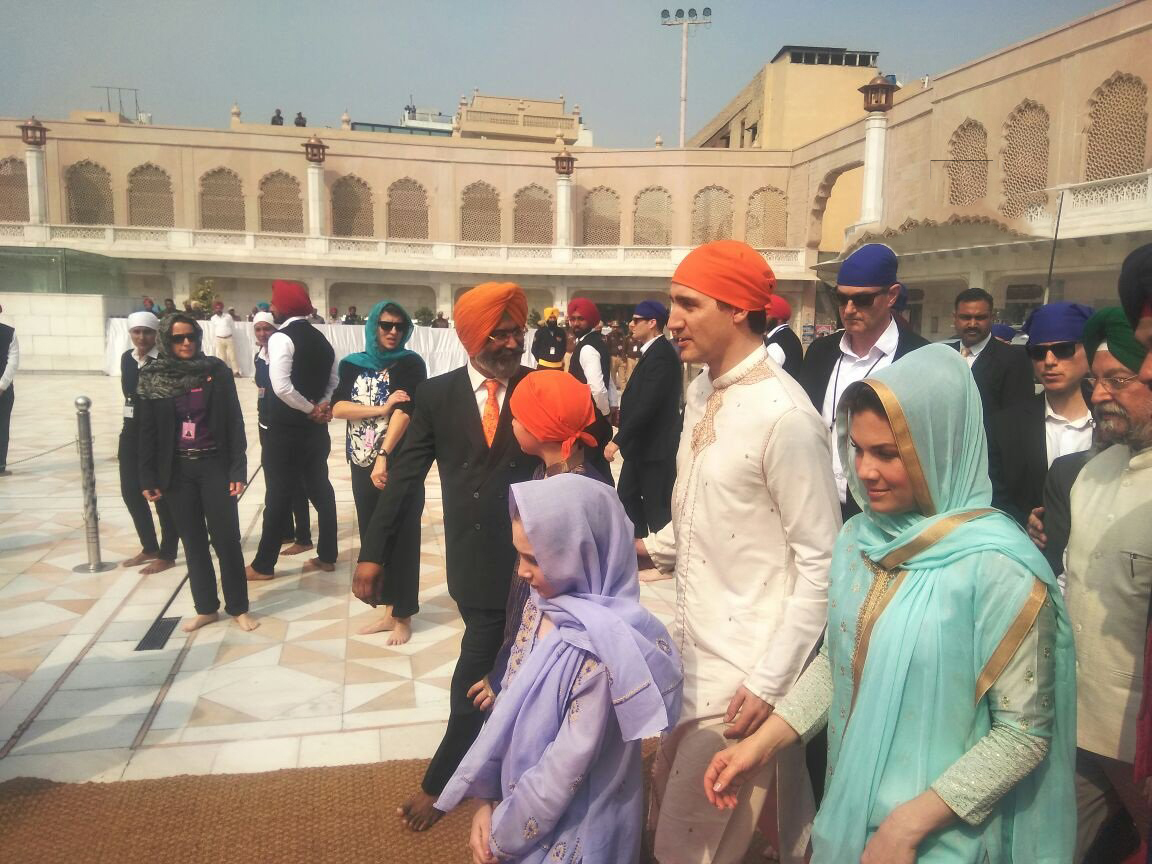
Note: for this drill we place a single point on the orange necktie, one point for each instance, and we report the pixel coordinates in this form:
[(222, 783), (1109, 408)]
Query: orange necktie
[(491, 416)]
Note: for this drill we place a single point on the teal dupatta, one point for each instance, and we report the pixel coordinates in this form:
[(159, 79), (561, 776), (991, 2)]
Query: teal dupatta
[(969, 593)]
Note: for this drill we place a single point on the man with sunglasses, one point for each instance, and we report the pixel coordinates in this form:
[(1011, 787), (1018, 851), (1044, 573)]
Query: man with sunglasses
[(867, 288), (1025, 439)]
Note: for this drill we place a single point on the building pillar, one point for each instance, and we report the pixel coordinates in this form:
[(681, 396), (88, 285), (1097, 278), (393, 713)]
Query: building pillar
[(560, 298), (563, 210), (318, 293), (181, 287), (315, 199), (875, 135), (37, 185), (444, 299)]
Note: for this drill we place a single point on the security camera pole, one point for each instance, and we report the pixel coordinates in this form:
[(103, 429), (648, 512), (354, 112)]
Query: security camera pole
[(679, 20)]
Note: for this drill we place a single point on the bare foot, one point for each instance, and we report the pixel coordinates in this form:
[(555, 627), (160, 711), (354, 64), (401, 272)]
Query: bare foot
[(402, 632), (200, 621), (317, 564), (296, 549), (246, 622), (382, 625), (158, 566), (138, 559), (253, 576), (419, 813)]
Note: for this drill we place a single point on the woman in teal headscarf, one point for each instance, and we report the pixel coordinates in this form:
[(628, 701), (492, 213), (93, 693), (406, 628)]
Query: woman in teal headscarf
[(947, 679), (375, 396)]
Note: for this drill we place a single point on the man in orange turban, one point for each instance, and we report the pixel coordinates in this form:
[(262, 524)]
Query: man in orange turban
[(462, 421)]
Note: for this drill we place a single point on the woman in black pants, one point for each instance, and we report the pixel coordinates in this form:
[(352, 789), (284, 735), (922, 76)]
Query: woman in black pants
[(192, 453), (375, 397)]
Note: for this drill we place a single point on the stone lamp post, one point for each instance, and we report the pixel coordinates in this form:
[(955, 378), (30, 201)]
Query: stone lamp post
[(314, 152), (565, 165), (877, 102), (34, 135)]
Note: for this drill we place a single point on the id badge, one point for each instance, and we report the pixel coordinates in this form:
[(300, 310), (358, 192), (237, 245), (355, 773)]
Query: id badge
[(188, 430), (259, 392), (129, 412)]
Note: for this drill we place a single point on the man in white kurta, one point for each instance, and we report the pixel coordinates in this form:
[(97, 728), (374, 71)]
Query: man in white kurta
[(754, 518)]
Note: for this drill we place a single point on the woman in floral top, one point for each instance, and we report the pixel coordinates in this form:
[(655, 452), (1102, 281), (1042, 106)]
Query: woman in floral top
[(375, 397)]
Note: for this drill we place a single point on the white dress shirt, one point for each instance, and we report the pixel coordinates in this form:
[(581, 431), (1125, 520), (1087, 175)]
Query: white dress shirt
[(604, 394), (222, 325), (477, 378), (142, 359), (281, 350), (13, 365), (644, 348), (974, 351), (1063, 436), (774, 350), (849, 369)]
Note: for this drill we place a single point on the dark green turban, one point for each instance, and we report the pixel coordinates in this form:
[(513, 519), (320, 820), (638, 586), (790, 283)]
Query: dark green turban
[(1111, 326)]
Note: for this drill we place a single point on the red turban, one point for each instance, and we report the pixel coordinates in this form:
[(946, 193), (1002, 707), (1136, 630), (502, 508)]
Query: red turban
[(729, 271), (778, 308), (554, 407), (585, 308), (290, 298), (479, 310)]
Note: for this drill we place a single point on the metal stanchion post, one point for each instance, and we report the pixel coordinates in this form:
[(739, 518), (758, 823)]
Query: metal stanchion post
[(88, 479)]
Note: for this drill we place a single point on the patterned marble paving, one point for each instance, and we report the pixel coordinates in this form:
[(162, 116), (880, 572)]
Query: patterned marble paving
[(77, 702)]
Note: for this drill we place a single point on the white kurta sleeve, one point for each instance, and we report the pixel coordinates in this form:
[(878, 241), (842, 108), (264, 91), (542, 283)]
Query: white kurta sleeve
[(590, 363), (776, 353), (281, 350), (661, 546), (13, 364), (795, 462)]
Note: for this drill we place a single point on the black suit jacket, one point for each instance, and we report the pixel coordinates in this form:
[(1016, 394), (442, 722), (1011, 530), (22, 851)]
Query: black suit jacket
[(474, 481), (1058, 504), (1018, 457), (157, 418), (820, 362), (650, 406), (1003, 375)]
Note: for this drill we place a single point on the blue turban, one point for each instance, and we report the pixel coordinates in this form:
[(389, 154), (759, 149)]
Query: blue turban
[(652, 309), (1004, 331), (1057, 322), (871, 266)]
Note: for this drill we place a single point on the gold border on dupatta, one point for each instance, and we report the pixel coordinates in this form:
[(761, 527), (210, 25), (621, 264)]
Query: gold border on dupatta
[(907, 446), (866, 626), (1013, 639)]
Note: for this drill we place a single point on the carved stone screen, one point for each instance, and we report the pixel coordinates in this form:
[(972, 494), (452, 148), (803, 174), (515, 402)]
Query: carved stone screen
[(13, 191), (88, 190), (601, 217), (711, 215), (1025, 160), (221, 201), (532, 216), (1118, 128), (281, 208), (150, 197), (407, 210), (652, 218), (766, 224), (480, 214), (968, 168), (352, 208)]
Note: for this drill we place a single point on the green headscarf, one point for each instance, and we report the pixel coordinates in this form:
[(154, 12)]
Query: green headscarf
[(168, 375), (1111, 326), (373, 357)]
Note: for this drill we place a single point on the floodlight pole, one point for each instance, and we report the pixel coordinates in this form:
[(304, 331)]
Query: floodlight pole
[(683, 23)]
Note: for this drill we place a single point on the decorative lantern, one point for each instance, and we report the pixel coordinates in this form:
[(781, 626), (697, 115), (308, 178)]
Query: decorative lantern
[(314, 150), (565, 163), (34, 133), (878, 94)]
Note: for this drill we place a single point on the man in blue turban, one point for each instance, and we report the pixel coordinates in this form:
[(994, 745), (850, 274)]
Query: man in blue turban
[(1025, 439)]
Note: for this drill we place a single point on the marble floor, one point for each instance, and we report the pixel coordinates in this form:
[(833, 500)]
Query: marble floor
[(78, 702)]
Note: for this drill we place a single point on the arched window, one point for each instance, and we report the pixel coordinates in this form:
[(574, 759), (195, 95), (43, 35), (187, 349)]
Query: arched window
[(281, 209), (480, 214), (88, 189), (532, 216), (766, 224), (1025, 160), (968, 170), (601, 217), (221, 201), (652, 218), (352, 208), (13, 190), (407, 210), (150, 197), (711, 215), (1117, 128)]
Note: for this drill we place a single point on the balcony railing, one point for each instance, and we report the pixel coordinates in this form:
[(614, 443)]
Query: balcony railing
[(1110, 206), (545, 123)]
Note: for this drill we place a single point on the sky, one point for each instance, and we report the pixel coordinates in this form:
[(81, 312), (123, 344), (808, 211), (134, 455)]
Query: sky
[(192, 60)]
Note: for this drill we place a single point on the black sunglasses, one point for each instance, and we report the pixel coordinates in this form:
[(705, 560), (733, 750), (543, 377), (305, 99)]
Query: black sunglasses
[(389, 326), (862, 300), (181, 338), (1060, 350)]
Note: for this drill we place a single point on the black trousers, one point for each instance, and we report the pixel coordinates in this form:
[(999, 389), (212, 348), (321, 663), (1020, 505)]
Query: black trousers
[(294, 454), (399, 584), (646, 493), (7, 399), (138, 506), (204, 510), (483, 635), (298, 525)]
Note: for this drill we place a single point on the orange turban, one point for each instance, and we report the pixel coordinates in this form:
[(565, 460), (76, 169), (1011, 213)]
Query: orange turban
[(729, 271), (778, 308), (479, 310), (554, 406)]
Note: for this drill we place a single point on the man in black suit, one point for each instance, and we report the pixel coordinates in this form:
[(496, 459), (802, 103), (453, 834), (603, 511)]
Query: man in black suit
[(1002, 372), (649, 423), (781, 340), (462, 422), (866, 290)]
